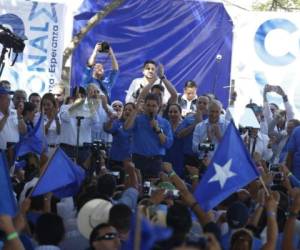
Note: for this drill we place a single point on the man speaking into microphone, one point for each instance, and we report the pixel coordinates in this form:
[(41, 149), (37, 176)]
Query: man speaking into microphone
[(151, 136)]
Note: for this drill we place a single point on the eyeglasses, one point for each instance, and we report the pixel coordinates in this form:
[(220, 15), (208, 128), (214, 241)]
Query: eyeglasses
[(117, 106), (107, 236)]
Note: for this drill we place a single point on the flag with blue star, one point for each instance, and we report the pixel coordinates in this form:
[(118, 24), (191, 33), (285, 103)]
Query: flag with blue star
[(230, 169)]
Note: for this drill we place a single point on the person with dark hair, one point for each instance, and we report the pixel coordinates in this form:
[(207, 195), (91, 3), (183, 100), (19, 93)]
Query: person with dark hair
[(120, 149), (156, 131), (5, 84), (180, 221), (11, 121), (94, 72), (104, 237), (174, 154), (35, 98), (164, 90), (29, 115), (188, 100), (49, 108), (71, 116), (151, 78), (49, 231), (119, 217)]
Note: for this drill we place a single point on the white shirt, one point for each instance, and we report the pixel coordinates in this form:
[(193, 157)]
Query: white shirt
[(52, 136), (99, 119), (261, 146), (142, 82), (69, 128), (10, 131)]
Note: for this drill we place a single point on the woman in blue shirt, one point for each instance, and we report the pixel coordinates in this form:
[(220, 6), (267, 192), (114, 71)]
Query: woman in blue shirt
[(121, 145), (174, 154)]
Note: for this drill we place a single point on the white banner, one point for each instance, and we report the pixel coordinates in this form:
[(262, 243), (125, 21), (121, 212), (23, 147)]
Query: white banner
[(266, 49), (38, 68)]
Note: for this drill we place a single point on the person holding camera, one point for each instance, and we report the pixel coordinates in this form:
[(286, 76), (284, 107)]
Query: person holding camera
[(94, 72), (209, 133)]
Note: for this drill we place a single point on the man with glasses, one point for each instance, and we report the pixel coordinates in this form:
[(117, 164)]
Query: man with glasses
[(104, 237)]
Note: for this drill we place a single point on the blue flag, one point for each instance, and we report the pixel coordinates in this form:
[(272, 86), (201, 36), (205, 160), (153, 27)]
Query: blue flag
[(32, 142), (62, 177), (230, 169), (149, 234), (8, 204)]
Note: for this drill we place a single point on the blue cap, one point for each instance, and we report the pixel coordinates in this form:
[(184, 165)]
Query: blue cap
[(6, 91)]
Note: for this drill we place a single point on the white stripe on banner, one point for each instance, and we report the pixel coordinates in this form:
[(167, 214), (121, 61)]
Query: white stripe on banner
[(267, 50), (39, 67)]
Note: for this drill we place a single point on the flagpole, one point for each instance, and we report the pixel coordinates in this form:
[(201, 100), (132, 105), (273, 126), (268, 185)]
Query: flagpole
[(43, 171), (264, 185), (137, 235)]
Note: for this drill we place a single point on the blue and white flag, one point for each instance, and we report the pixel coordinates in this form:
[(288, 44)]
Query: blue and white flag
[(230, 169)]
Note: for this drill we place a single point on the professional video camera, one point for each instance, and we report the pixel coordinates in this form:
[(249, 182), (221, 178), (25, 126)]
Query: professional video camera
[(206, 146), (10, 41), (104, 47)]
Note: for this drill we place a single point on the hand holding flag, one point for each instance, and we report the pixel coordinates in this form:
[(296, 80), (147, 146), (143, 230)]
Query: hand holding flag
[(230, 169)]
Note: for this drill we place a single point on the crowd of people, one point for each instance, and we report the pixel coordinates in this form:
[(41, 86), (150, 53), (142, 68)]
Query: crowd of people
[(145, 157)]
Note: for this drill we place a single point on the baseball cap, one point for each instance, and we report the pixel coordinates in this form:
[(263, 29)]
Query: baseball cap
[(237, 215), (6, 91)]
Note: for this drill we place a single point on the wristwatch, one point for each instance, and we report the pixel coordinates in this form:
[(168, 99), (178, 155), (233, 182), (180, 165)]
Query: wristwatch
[(159, 131)]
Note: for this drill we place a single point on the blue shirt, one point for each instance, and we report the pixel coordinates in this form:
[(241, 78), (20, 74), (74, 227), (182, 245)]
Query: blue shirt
[(188, 140), (105, 83), (294, 147), (174, 155), (145, 140), (121, 145)]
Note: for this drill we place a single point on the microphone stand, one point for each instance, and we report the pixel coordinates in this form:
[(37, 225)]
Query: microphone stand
[(79, 118)]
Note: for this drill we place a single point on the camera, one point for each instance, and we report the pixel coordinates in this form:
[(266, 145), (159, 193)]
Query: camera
[(104, 47), (173, 194), (97, 146), (206, 146), (115, 174), (278, 177), (274, 167), (10, 40), (147, 188)]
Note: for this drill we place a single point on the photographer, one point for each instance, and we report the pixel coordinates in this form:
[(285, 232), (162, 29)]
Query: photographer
[(94, 72), (210, 131)]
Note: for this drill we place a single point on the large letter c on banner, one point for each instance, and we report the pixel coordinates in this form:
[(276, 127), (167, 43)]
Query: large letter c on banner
[(261, 35)]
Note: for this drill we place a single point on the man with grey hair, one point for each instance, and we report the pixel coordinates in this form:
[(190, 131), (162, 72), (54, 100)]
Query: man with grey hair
[(209, 132)]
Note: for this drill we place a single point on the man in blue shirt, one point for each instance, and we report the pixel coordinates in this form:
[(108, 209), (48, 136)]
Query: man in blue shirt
[(293, 157), (151, 136), (94, 72), (186, 128)]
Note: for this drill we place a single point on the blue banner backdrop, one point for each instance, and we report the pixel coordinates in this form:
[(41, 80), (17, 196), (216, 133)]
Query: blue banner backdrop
[(186, 36)]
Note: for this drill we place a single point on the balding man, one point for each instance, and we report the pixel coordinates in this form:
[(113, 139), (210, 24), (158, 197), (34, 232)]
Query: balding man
[(208, 133)]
